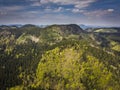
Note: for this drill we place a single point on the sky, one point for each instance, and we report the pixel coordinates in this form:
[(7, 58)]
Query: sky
[(88, 12)]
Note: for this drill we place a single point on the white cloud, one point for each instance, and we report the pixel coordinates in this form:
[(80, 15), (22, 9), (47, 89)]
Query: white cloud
[(36, 4), (51, 10), (11, 8), (98, 13), (76, 10), (110, 10), (63, 2), (58, 9), (68, 9), (77, 3), (33, 12), (83, 3)]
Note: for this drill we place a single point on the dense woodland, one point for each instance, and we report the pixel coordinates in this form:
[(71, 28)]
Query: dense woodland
[(59, 57)]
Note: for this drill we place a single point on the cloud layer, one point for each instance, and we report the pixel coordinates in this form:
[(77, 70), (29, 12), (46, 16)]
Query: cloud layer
[(75, 3), (60, 11)]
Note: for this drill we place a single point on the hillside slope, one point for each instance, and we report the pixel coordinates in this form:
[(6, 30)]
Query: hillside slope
[(58, 57)]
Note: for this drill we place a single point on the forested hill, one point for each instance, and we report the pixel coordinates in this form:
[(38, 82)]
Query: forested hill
[(59, 57)]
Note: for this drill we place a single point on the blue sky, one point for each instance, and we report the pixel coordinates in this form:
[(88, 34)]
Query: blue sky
[(89, 12)]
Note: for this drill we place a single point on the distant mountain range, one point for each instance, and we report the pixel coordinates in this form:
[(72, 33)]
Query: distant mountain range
[(83, 26)]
